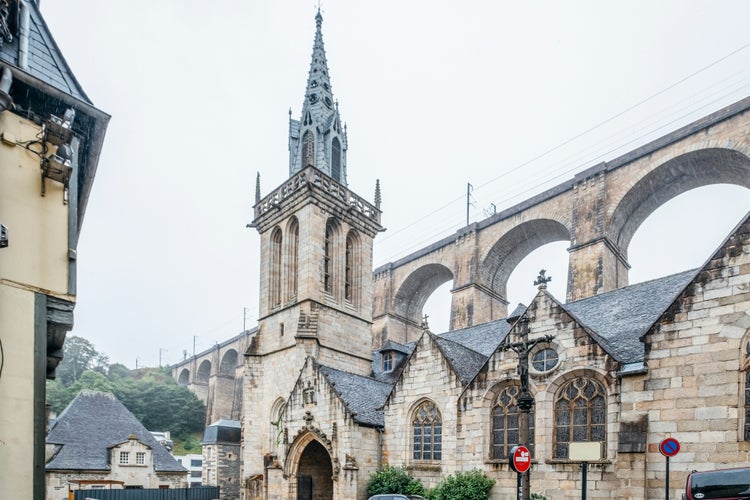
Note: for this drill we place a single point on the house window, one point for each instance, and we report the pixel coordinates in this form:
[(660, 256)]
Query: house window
[(140, 458), (427, 426), (124, 458), (580, 414), (388, 361), (505, 423)]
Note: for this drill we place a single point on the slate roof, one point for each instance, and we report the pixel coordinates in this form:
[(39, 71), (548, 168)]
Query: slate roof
[(363, 397), (223, 431), (619, 318), (482, 338), (45, 60), (91, 424)]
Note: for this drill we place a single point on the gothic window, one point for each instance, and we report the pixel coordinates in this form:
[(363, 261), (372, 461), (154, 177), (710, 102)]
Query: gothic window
[(427, 426), (580, 414), (308, 150), (328, 259), (388, 362), (275, 269), (505, 423), (336, 159), (351, 267), (292, 258)]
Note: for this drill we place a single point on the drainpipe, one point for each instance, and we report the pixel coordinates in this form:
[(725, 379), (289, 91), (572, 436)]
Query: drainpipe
[(380, 449), (23, 39), (6, 79)]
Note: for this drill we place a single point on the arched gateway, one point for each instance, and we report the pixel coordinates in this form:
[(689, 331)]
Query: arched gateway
[(310, 469)]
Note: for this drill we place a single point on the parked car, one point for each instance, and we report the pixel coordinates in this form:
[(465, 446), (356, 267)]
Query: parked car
[(395, 496), (724, 484)]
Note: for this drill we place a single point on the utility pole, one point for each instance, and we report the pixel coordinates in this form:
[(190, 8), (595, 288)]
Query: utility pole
[(525, 400), (160, 350), (469, 189), (194, 336)]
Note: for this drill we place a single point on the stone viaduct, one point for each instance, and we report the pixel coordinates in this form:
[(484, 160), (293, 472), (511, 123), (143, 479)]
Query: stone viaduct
[(597, 211), (215, 376)]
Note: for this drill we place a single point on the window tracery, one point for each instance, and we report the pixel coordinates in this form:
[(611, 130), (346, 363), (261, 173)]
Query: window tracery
[(580, 414), (505, 423), (427, 427)]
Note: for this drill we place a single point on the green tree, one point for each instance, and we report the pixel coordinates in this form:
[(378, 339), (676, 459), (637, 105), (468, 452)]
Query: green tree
[(472, 485), (79, 355), (393, 480)]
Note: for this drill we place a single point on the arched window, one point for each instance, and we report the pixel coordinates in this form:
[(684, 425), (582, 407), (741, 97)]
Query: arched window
[(351, 267), (505, 423), (275, 269), (308, 150), (328, 259), (336, 159), (580, 414), (292, 258), (388, 361), (427, 426)]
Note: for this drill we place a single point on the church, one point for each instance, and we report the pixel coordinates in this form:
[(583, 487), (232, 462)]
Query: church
[(342, 376)]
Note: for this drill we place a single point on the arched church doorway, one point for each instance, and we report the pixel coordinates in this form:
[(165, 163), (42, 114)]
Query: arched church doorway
[(315, 473)]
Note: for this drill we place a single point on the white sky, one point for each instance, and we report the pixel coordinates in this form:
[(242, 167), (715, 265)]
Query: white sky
[(435, 94)]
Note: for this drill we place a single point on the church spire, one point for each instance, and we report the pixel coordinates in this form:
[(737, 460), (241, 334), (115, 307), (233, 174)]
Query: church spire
[(317, 139)]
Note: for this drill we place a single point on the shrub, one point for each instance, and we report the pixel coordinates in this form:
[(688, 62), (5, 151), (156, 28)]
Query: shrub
[(538, 496), (472, 485), (393, 480)]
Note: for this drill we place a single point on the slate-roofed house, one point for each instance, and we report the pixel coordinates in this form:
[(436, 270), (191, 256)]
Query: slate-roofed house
[(96, 437), (51, 138)]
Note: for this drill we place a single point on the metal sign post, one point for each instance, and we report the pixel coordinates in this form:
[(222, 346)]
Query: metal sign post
[(519, 459), (584, 452), (668, 447)]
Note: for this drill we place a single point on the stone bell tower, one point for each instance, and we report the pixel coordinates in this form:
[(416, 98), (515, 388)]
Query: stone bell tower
[(316, 287)]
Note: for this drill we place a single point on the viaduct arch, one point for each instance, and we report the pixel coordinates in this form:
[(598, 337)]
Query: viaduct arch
[(215, 376), (598, 212)]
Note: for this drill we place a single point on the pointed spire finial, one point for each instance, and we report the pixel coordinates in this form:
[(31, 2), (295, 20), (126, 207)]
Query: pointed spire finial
[(318, 18), (257, 188), (377, 194)]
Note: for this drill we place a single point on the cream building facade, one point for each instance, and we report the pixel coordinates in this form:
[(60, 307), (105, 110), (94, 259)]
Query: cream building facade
[(50, 139)]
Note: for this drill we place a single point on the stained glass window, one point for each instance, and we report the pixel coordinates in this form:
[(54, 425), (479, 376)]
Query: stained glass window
[(580, 414), (428, 433), (505, 423)]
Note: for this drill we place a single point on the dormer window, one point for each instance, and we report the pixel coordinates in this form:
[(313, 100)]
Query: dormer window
[(124, 458), (140, 458), (388, 361)]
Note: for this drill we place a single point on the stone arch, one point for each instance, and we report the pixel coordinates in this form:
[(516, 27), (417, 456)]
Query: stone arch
[(184, 377), (670, 179), (228, 365), (516, 244), (417, 288), (204, 372), (311, 448)]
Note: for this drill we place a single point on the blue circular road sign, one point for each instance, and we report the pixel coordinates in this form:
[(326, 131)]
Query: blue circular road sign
[(669, 447)]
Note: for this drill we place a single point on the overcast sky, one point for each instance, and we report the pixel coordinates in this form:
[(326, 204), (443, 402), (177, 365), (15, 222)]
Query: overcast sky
[(512, 97)]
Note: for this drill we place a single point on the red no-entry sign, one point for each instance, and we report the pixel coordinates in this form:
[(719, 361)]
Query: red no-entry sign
[(669, 447), (520, 459)]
